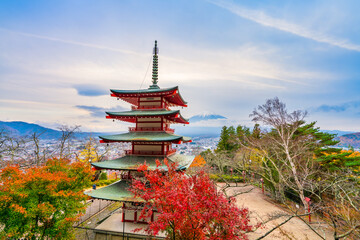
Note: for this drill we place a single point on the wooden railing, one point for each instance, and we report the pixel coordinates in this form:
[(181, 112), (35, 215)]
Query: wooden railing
[(154, 153), (171, 152), (149, 107), (150, 129)]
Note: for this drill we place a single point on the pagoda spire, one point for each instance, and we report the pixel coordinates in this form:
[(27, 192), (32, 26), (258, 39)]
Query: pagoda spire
[(155, 68)]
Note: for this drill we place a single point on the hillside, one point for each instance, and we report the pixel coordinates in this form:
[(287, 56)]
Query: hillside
[(352, 139), (22, 129)]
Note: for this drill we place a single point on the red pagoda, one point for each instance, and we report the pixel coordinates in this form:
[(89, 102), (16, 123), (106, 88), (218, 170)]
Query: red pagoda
[(151, 138)]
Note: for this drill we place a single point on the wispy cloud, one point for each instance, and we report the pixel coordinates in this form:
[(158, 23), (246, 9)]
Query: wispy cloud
[(98, 112), (338, 108), (90, 90), (82, 44), (280, 24)]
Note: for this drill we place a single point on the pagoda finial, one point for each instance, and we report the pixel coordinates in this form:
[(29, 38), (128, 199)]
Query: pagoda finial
[(155, 67)]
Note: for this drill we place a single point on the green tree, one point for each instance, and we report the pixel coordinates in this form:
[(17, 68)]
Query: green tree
[(242, 133), (228, 139)]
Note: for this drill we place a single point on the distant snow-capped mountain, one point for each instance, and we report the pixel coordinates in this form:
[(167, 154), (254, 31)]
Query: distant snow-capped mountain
[(205, 116)]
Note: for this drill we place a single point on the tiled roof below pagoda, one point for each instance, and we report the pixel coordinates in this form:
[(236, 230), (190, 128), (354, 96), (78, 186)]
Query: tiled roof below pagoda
[(145, 137), (130, 162), (117, 191)]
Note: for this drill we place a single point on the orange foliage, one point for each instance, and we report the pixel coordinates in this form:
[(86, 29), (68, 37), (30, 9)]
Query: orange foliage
[(353, 154), (41, 199), (199, 161)]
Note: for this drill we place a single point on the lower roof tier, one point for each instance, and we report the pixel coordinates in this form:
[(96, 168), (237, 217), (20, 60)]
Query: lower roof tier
[(117, 191), (145, 137), (130, 162)]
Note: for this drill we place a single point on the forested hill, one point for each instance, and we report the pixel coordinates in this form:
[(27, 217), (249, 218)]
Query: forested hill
[(22, 129), (18, 128), (352, 139)]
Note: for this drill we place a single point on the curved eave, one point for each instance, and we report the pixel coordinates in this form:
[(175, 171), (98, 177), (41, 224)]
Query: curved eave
[(145, 137), (131, 116), (142, 113), (143, 92), (117, 191), (131, 163), (172, 95), (178, 119), (176, 99)]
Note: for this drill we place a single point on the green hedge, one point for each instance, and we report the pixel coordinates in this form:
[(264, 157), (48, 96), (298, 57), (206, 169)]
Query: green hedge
[(229, 178), (103, 176), (105, 182)]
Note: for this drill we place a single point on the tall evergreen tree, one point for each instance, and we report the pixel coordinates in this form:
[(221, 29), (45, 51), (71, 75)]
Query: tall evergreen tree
[(324, 148)]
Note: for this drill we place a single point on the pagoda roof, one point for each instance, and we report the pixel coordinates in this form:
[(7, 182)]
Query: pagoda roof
[(131, 162), (117, 191), (145, 91), (145, 137), (172, 95), (130, 116)]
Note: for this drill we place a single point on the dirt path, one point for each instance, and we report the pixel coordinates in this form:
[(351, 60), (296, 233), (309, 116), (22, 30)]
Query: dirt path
[(261, 206)]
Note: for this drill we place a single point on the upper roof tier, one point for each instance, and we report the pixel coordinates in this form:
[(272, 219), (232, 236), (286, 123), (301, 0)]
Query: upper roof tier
[(145, 137), (131, 116), (171, 95)]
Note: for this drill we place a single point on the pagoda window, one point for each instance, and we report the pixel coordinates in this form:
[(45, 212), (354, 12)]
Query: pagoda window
[(149, 124), (129, 215), (150, 102), (148, 149), (149, 119)]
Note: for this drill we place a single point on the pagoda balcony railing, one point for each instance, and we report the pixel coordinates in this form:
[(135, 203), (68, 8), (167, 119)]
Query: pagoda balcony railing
[(149, 107), (169, 130), (171, 152), (125, 176), (130, 152), (151, 153), (150, 129)]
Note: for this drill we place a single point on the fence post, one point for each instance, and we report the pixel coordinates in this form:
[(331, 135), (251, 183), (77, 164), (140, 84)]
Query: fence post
[(262, 185), (308, 203)]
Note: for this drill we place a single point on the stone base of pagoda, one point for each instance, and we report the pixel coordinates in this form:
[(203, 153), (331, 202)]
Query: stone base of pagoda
[(114, 228)]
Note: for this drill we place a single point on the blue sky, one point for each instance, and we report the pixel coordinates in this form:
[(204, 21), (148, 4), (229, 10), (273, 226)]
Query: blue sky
[(59, 58)]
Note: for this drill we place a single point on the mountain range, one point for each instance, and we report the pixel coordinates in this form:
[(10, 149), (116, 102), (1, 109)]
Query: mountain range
[(352, 139), (205, 117), (21, 129)]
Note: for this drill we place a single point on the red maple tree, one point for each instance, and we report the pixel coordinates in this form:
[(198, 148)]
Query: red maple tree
[(189, 207)]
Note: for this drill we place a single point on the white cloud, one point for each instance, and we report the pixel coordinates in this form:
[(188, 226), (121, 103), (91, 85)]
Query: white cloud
[(51, 70), (280, 24), (82, 44)]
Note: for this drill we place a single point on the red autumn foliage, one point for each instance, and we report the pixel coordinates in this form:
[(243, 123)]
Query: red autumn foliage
[(189, 207)]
